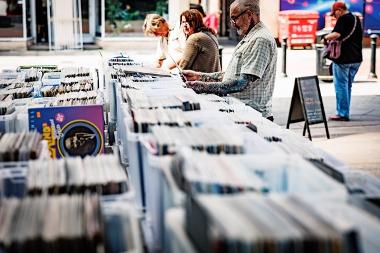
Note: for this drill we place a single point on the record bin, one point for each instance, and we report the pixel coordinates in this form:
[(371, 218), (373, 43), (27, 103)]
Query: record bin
[(13, 179), (8, 123), (134, 155), (122, 228), (13, 175), (176, 238), (162, 192)]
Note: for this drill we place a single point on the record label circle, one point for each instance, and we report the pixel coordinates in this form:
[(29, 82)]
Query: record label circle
[(80, 138)]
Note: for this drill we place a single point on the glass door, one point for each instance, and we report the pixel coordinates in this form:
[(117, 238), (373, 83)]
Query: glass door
[(88, 20)]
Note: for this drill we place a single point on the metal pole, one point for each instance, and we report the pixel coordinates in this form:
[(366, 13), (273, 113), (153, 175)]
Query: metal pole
[(220, 55), (49, 24), (284, 48), (24, 30), (372, 74)]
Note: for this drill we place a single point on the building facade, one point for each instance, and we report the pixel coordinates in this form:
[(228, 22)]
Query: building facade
[(30, 23)]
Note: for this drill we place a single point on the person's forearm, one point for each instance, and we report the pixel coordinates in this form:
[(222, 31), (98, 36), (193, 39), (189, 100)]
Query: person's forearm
[(225, 87), (332, 36), (211, 77), (169, 64)]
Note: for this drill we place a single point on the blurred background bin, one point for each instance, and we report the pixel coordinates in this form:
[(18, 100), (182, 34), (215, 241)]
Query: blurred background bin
[(324, 66), (321, 34), (299, 27)]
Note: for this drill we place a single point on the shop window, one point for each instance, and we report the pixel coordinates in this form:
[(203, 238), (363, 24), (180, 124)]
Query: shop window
[(11, 25), (126, 17)]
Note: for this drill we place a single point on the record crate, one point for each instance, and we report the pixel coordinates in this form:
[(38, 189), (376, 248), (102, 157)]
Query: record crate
[(8, 122), (13, 179), (121, 227)]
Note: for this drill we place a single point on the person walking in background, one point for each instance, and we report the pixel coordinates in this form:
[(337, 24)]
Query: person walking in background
[(251, 73), (171, 41), (347, 65), (212, 20), (201, 52)]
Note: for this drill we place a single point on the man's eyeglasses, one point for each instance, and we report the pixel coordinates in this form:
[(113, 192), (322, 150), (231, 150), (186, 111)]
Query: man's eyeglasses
[(234, 19)]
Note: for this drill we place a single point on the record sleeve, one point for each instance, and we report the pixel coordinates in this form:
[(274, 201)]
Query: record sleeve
[(70, 130)]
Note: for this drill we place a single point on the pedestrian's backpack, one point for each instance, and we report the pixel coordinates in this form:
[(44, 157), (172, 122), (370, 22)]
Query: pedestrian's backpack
[(332, 49)]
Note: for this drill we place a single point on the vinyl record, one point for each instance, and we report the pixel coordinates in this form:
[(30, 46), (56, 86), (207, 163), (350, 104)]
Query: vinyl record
[(80, 138)]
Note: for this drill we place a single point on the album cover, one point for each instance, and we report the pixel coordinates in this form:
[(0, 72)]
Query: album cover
[(70, 130)]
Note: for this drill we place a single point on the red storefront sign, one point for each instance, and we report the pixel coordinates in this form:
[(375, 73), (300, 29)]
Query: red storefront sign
[(298, 26)]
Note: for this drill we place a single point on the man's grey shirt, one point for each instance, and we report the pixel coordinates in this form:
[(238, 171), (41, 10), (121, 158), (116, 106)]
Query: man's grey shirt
[(256, 54)]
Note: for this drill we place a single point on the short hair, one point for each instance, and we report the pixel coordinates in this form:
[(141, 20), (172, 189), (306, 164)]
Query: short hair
[(195, 20), (251, 5), (152, 23)]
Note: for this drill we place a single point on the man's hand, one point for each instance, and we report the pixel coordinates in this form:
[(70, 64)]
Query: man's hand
[(158, 63), (191, 75)]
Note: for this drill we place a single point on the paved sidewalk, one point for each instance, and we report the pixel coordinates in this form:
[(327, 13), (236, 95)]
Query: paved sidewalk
[(356, 142)]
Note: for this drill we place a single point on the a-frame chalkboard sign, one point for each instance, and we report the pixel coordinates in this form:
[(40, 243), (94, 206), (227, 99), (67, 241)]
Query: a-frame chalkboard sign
[(307, 105)]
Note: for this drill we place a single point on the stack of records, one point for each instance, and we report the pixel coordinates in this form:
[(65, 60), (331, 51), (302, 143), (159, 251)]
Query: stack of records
[(17, 85), (18, 90), (51, 224), (184, 100), (68, 85), (144, 119), (122, 60), (289, 142), (253, 223), (363, 184), (41, 68), (139, 78), (127, 70), (8, 78), (222, 104), (72, 79), (197, 172), (75, 72), (341, 213), (144, 81), (20, 146), (77, 98), (121, 228), (32, 75), (6, 107), (51, 78), (228, 140), (102, 174), (7, 116), (7, 82)]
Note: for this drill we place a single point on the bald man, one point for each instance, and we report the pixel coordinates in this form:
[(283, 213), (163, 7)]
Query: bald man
[(251, 73)]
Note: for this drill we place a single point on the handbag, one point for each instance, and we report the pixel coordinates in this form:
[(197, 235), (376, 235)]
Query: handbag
[(332, 50)]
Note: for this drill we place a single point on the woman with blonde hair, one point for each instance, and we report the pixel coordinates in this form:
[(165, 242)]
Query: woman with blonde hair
[(171, 40), (201, 52)]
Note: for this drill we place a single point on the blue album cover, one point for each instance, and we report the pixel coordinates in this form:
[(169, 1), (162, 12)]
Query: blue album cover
[(70, 130)]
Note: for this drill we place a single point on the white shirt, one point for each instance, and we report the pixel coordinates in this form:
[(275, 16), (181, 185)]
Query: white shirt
[(172, 45)]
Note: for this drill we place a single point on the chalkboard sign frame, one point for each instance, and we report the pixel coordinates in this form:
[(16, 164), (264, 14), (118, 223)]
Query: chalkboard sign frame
[(299, 110)]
